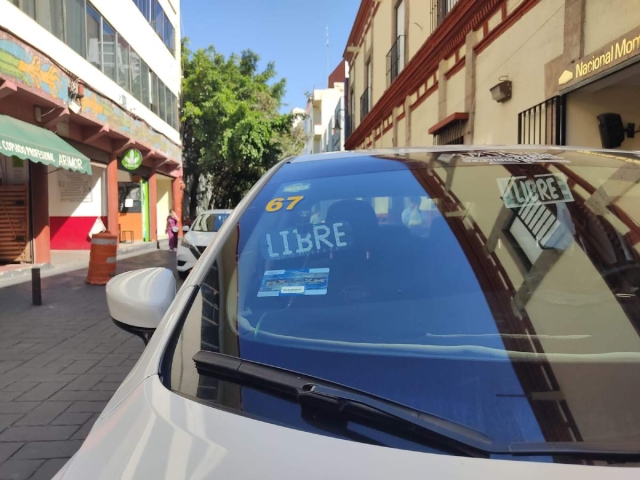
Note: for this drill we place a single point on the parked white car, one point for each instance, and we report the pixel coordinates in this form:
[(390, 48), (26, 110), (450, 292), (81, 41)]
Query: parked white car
[(449, 313), (198, 237)]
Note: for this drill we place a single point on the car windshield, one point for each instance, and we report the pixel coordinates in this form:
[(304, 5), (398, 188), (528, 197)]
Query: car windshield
[(209, 222), (498, 290)]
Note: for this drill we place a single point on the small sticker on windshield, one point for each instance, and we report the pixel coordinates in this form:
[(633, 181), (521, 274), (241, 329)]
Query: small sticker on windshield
[(296, 187), (305, 281), (539, 190)]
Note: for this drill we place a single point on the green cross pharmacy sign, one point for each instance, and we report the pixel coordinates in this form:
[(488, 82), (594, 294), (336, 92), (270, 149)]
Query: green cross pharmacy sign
[(132, 159)]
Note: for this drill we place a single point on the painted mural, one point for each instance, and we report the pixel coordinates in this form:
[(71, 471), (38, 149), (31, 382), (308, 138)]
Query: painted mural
[(18, 63), (28, 67)]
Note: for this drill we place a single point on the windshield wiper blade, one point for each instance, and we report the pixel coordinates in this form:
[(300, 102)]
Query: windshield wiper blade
[(323, 396), (593, 450), (320, 395)]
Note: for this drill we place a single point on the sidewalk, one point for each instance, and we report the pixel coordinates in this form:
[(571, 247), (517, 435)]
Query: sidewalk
[(63, 261), (59, 365)]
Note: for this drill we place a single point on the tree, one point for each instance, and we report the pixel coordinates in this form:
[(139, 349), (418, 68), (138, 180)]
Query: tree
[(232, 130)]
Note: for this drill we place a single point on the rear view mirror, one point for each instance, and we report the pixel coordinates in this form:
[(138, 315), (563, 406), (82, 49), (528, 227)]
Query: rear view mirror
[(139, 299), (185, 229)]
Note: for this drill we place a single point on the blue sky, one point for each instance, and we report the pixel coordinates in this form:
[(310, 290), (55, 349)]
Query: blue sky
[(292, 33)]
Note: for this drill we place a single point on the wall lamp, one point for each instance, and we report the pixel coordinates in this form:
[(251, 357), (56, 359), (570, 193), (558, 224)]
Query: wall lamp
[(502, 91)]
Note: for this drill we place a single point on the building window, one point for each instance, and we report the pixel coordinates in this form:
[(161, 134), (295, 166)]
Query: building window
[(94, 43), (167, 32), (136, 75), (155, 108), (159, 21), (396, 56), (27, 6), (49, 14), (108, 50), (452, 134), (144, 80), (79, 24), (75, 26), (162, 101), (122, 62), (544, 124), (351, 113), (439, 10), (169, 104), (144, 7), (365, 98)]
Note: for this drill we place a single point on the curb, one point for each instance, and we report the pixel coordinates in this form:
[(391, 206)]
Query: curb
[(50, 269), (25, 270)]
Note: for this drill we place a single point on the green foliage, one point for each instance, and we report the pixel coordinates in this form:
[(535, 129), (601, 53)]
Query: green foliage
[(231, 126)]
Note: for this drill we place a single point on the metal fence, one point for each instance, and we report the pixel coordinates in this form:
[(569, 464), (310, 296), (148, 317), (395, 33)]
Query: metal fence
[(544, 124)]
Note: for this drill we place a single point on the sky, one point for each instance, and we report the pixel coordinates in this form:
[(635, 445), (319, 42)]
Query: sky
[(292, 33)]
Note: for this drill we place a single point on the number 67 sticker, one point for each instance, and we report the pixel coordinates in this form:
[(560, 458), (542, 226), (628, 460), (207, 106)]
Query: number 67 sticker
[(277, 203)]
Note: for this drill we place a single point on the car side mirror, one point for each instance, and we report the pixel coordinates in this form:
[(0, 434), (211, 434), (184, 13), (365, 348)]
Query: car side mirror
[(185, 229), (138, 300)]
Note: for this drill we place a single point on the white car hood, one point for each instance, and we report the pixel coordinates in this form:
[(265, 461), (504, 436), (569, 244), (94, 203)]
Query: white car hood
[(156, 434), (200, 239)]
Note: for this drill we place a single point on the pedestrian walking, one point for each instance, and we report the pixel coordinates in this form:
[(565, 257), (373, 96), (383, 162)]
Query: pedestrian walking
[(172, 230)]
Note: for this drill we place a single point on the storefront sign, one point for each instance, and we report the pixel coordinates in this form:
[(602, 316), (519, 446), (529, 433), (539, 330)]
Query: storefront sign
[(132, 159), (25, 141), (74, 187), (612, 54)]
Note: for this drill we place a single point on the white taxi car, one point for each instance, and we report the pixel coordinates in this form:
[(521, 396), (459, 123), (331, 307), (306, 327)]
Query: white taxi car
[(450, 313), (198, 237)]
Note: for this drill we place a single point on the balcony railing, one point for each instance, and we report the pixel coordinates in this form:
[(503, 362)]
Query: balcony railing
[(365, 103), (439, 10), (395, 59)]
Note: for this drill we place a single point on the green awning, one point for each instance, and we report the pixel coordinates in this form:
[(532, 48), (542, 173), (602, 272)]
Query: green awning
[(29, 142)]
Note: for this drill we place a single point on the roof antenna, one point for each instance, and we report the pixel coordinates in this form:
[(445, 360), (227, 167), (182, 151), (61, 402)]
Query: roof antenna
[(328, 56)]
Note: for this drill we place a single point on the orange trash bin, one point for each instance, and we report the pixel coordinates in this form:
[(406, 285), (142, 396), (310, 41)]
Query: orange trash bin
[(103, 257)]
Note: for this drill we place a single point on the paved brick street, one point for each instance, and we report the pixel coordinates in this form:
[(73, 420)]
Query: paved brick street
[(59, 365)]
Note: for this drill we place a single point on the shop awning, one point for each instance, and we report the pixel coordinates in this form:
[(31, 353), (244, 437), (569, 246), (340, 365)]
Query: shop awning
[(30, 142)]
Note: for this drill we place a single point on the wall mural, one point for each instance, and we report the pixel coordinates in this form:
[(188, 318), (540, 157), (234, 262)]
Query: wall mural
[(29, 67)]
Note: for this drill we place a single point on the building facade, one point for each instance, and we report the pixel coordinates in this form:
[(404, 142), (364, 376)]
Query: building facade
[(529, 72), (494, 72), (97, 81), (325, 114)]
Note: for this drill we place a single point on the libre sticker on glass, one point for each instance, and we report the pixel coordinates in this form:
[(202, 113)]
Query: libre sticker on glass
[(540, 190), (304, 281)]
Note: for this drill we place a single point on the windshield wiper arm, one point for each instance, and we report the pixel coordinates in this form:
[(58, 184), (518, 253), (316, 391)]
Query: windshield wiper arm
[(320, 395)]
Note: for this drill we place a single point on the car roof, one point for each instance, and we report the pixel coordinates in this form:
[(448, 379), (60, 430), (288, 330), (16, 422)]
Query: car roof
[(482, 154)]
